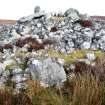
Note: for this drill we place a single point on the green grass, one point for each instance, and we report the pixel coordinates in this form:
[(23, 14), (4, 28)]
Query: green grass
[(72, 57)]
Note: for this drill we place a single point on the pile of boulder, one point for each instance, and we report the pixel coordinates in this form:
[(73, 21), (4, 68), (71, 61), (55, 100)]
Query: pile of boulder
[(21, 45)]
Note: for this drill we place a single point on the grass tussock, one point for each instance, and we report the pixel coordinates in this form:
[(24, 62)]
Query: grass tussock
[(81, 90), (43, 96), (87, 91)]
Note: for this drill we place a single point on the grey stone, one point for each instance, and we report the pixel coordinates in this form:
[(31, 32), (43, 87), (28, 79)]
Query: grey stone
[(47, 71), (77, 27), (26, 30), (72, 66), (71, 44), (79, 41), (18, 78), (97, 26), (70, 69), (25, 19), (85, 45), (70, 50), (101, 43), (88, 32), (39, 25), (85, 17), (90, 56), (2, 68), (63, 50), (94, 46), (37, 9), (73, 14)]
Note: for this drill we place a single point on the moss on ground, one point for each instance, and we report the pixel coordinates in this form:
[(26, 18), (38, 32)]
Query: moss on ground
[(72, 57)]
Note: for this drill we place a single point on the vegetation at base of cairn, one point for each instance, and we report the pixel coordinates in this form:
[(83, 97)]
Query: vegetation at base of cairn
[(80, 89), (78, 54)]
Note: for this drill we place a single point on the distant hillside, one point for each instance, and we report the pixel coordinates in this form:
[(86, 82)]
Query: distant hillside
[(99, 17), (3, 21)]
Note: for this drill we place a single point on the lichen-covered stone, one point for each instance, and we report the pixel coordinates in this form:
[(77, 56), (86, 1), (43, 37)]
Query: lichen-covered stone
[(47, 71)]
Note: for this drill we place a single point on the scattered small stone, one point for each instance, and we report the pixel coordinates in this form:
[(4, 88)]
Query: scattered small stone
[(86, 45), (90, 56)]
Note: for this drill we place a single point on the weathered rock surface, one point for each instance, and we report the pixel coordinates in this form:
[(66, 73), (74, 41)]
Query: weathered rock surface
[(47, 71)]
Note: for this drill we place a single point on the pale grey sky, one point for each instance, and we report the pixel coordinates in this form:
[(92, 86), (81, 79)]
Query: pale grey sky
[(14, 9)]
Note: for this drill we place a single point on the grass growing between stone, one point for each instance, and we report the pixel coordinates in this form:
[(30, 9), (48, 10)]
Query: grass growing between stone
[(88, 91), (80, 90), (84, 88)]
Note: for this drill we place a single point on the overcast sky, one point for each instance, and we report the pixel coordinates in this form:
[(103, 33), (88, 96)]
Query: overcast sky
[(14, 9)]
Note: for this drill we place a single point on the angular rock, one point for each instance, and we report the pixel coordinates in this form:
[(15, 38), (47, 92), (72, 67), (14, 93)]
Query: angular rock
[(86, 45), (73, 14), (88, 32), (77, 27)]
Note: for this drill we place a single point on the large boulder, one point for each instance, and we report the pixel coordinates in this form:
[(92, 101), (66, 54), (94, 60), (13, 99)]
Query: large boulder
[(47, 71)]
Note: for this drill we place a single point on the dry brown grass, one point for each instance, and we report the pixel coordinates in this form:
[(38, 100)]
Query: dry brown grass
[(81, 90), (87, 91), (42, 96), (98, 70), (85, 88)]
